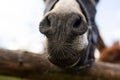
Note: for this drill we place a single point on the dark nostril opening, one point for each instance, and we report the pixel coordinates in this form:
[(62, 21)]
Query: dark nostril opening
[(45, 25), (45, 22), (77, 23)]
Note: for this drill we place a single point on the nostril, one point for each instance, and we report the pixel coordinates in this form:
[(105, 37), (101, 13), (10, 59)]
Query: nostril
[(45, 25), (77, 23), (47, 22)]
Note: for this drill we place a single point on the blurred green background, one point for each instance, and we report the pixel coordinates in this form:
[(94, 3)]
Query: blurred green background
[(8, 78)]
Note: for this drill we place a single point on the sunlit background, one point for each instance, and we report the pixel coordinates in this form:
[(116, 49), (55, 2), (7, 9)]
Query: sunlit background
[(19, 23)]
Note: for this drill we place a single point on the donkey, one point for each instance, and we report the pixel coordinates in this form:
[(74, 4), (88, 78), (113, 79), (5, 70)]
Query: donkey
[(71, 32)]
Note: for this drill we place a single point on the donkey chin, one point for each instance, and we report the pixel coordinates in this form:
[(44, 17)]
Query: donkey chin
[(65, 54)]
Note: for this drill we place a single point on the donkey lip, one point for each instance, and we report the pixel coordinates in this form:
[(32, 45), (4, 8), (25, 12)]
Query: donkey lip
[(63, 62), (64, 56)]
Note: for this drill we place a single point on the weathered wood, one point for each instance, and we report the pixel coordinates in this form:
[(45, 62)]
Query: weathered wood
[(38, 67)]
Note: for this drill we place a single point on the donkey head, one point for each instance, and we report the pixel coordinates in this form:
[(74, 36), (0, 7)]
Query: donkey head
[(66, 29)]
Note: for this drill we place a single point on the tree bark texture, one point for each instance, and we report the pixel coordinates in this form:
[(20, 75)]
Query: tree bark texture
[(37, 67)]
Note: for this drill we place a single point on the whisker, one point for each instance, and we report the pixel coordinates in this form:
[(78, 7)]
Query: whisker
[(71, 44), (63, 52), (52, 51), (70, 50)]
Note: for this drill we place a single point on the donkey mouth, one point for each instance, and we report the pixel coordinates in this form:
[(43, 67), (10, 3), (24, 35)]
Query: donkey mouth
[(64, 55)]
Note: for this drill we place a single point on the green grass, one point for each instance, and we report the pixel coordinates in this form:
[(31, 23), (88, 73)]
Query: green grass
[(8, 78)]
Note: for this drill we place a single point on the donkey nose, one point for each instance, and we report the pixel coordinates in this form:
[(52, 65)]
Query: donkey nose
[(72, 22), (47, 24)]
